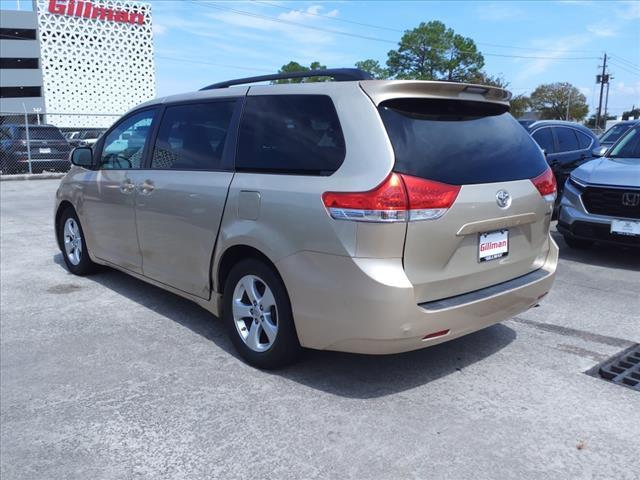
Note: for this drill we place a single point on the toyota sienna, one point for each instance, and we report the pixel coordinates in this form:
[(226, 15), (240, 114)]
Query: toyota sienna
[(353, 215)]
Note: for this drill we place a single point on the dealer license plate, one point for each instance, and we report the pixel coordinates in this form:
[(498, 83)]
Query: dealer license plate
[(625, 227), (45, 150), (493, 245)]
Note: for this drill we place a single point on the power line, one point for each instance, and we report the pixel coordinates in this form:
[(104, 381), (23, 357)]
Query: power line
[(635, 65), (304, 12), (397, 30), (366, 37), (621, 66), (200, 62)]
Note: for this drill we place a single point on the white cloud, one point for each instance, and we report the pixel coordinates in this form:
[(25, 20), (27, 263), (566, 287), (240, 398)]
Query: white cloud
[(602, 30), (629, 11), (551, 52), (499, 11), (623, 88), (159, 29)]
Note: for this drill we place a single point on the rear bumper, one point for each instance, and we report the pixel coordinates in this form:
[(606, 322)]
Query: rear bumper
[(368, 305)]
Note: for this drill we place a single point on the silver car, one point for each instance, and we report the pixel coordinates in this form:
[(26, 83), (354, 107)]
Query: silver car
[(601, 200), (354, 215)]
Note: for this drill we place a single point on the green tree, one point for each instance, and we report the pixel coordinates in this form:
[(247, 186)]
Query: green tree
[(432, 51), (551, 100), (296, 67), (483, 78), (519, 105), (591, 121), (373, 67), (634, 112)]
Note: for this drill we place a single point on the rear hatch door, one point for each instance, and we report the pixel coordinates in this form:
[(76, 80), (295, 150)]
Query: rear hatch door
[(497, 227)]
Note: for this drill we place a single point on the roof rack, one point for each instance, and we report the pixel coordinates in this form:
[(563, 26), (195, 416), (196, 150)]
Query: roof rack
[(338, 75)]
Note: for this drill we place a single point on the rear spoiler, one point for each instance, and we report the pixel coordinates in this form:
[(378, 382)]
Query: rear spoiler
[(381, 90)]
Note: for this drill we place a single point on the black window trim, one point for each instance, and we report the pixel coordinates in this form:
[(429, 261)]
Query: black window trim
[(575, 130), (290, 172), (98, 150), (553, 136), (231, 142)]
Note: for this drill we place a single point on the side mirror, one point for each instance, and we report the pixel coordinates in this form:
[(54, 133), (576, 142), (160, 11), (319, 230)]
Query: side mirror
[(82, 157), (599, 152)]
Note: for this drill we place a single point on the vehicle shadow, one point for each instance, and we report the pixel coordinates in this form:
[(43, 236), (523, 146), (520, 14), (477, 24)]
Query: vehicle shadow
[(342, 374), (600, 255)]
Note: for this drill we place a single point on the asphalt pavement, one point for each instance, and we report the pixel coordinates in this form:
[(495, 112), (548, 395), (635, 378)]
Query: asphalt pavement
[(107, 377)]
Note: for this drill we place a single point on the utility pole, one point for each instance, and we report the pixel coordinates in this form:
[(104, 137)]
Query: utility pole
[(606, 103), (601, 79), (568, 103)]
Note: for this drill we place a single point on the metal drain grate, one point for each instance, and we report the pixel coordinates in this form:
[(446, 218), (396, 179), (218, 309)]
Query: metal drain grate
[(622, 369)]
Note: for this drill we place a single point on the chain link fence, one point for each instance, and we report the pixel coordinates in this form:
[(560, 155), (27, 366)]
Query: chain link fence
[(42, 142)]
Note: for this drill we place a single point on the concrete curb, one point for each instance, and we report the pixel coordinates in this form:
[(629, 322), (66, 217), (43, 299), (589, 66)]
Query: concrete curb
[(32, 176)]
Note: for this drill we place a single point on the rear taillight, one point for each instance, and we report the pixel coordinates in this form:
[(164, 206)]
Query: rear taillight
[(546, 185), (399, 198)]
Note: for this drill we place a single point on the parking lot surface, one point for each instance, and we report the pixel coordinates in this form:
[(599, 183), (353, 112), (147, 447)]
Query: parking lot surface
[(106, 377)]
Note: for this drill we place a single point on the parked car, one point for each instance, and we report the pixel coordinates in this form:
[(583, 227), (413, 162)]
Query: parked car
[(87, 136), (613, 134), (355, 215), (48, 149), (566, 145), (601, 201)]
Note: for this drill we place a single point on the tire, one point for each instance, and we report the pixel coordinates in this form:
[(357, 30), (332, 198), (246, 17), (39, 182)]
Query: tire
[(72, 244), (263, 332), (577, 242)]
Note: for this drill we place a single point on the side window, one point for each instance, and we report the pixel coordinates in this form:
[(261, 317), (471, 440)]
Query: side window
[(584, 140), (567, 140), (192, 137), (124, 146), (544, 138), (295, 134)]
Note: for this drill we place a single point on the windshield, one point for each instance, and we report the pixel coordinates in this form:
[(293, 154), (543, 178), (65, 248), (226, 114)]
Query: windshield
[(628, 147), (41, 133), (614, 133), (459, 142)]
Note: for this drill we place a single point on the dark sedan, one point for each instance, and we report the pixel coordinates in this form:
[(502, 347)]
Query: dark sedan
[(43, 145), (566, 145)]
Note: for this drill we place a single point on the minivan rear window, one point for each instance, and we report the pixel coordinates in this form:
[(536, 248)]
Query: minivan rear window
[(459, 142)]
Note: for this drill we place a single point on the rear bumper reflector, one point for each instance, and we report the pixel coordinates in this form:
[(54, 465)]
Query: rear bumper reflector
[(441, 333)]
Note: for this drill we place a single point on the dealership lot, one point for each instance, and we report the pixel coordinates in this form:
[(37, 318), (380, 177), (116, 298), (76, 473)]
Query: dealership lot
[(108, 377)]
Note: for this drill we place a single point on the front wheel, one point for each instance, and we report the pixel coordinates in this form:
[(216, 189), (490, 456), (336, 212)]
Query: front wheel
[(73, 245), (258, 316)]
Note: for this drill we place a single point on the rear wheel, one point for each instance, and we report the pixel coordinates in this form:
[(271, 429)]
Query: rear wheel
[(258, 316), (577, 242), (73, 245)]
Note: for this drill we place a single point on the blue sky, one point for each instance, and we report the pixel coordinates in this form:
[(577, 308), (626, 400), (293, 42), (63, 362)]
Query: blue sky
[(198, 43)]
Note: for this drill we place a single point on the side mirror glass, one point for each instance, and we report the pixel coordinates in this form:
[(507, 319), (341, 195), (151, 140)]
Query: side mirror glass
[(82, 157), (599, 152)]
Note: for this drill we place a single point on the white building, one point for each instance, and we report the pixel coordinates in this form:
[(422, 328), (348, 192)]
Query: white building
[(96, 58)]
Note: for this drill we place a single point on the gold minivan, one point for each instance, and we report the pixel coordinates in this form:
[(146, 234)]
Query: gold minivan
[(355, 215)]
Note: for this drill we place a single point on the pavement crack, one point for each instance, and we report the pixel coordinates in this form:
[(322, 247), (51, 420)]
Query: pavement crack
[(575, 333)]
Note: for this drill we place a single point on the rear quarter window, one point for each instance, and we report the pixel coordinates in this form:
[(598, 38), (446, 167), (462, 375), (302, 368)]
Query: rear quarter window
[(290, 134), (567, 139), (459, 142)]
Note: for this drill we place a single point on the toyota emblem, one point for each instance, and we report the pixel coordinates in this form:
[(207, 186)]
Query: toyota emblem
[(503, 199)]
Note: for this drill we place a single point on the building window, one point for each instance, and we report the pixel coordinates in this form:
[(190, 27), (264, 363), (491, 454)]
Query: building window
[(18, 63), (17, 34), (20, 92)]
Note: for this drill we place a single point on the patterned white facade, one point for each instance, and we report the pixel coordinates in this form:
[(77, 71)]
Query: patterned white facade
[(94, 65)]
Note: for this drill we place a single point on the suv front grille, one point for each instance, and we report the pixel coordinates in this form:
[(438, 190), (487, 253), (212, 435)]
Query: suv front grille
[(612, 201)]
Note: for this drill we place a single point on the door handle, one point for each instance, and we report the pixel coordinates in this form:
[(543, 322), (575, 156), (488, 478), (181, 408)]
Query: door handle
[(127, 186), (146, 187)]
